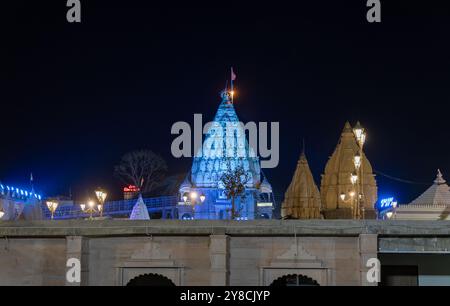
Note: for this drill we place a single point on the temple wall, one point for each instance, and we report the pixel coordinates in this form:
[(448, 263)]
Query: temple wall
[(32, 261), (202, 253)]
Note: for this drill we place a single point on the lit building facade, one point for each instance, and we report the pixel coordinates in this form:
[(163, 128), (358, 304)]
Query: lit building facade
[(16, 203), (225, 147)]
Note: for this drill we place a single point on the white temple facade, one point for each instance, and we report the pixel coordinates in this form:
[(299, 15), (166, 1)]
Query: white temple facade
[(433, 204)]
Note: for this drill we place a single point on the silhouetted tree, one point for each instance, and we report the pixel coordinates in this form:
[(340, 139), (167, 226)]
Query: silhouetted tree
[(141, 168), (234, 181)]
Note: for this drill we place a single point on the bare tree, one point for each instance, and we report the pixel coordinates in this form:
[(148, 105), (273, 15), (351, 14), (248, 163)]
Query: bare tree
[(234, 181), (142, 168)]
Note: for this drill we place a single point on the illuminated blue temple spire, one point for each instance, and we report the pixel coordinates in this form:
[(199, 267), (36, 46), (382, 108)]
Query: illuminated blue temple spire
[(224, 145)]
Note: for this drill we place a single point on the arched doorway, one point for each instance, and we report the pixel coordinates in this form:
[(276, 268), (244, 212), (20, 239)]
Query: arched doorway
[(151, 279), (294, 280)]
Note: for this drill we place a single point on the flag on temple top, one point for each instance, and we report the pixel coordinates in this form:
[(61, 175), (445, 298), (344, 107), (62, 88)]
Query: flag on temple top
[(233, 76)]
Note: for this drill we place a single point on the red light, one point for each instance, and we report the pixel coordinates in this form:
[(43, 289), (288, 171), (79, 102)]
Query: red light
[(131, 188)]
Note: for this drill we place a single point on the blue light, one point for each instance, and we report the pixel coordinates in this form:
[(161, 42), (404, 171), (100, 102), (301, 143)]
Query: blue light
[(386, 205)]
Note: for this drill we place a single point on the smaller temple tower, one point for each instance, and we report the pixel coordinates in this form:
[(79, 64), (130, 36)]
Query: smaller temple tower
[(302, 198)]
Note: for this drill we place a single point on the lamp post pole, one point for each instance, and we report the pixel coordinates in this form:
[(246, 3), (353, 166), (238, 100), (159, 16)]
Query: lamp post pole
[(360, 135), (101, 197)]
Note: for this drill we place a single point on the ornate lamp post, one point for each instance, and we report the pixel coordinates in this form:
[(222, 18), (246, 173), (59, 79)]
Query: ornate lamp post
[(348, 198), (360, 135), (101, 196), (52, 206), (193, 198), (91, 209)]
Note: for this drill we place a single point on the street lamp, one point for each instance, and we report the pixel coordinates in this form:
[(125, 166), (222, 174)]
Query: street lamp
[(344, 198), (91, 209), (353, 178), (357, 161), (360, 135), (101, 196), (192, 198), (52, 206)]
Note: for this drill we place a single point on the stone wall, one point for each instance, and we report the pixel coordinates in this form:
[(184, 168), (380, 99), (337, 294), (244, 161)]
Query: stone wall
[(200, 253)]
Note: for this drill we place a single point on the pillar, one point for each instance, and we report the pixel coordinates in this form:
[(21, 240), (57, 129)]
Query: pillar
[(368, 248), (219, 257), (78, 247)]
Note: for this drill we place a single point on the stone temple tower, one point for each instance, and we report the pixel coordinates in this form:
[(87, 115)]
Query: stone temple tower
[(302, 198), (337, 192), (224, 145)]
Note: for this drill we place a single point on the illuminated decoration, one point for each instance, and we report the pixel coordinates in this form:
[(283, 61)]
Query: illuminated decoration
[(386, 207), (14, 192), (140, 211), (263, 204), (18, 203), (225, 144)]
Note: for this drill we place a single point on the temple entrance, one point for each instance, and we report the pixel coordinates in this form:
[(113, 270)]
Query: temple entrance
[(294, 280), (151, 279)]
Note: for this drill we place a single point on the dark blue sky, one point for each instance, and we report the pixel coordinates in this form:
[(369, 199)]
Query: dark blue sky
[(78, 96)]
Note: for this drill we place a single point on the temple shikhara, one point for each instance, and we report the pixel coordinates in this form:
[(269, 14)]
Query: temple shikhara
[(202, 195), (338, 193), (348, 173), (302, 198)]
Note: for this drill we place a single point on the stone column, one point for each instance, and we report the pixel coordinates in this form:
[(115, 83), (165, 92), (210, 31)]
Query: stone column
[(78, 247), (219, 256), (368, 248)]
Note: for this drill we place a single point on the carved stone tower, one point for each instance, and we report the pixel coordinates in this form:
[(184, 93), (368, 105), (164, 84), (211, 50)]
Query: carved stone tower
[(337, 192)]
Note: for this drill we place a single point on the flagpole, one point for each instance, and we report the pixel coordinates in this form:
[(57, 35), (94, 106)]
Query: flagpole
[(232, 89)]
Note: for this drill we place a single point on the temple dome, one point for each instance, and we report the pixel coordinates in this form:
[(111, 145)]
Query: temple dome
[(436, 194), (302, 198)]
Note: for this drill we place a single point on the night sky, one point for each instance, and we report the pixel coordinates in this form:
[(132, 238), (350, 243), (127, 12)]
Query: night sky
[(76, 97)]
